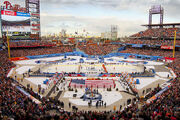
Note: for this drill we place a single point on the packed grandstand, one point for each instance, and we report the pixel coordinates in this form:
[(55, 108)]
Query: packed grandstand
[(94, 69), (15, 104)]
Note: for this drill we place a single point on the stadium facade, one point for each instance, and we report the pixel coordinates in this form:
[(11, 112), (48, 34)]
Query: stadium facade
[(20, 20)]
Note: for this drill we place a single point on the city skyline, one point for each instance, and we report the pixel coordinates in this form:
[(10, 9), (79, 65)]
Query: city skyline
[(96, 16)]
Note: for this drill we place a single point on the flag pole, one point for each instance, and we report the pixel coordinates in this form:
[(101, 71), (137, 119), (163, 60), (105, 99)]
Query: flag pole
[(174, 43), (9, 54)]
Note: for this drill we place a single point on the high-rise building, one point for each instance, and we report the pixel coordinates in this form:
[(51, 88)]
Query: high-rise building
[(112, 35), (114, 32), (63, 33)]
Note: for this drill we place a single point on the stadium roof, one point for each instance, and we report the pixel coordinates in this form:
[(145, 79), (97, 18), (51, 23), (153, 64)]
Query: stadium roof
[(162, 25)]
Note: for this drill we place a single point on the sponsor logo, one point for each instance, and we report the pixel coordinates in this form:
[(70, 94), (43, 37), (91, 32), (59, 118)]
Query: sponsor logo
[(166, 47), (15, 7), (12, 13)]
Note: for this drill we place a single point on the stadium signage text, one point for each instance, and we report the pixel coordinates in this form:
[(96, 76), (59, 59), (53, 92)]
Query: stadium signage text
[(33, 1), (12, 13), (166, 47), (15, 7)]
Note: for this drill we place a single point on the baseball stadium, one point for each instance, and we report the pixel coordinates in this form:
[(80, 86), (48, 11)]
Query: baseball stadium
[(87, 78)]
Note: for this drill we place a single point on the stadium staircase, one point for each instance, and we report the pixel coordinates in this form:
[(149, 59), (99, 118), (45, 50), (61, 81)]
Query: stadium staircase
[(104, 68), (58, 95), (133, 89), (53, 89), (5, 44)]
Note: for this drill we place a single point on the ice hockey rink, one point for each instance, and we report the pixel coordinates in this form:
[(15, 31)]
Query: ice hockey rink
[(91, 68)]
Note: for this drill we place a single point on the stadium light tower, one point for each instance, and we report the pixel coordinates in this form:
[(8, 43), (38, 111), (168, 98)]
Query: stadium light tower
[(0, 28), (156, 9)]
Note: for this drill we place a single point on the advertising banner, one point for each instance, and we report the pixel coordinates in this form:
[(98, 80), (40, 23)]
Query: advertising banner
[(32, 5), (152, 46), (35, 24), (12, 13), (33, 1), (35, 14), (137, 45), (168, 59), (35, 29), (166, 47), (35, 19), (14, 5), (23, 14)]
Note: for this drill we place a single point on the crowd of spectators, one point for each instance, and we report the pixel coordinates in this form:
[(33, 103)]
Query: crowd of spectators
[(98, 49), (158, 32), (14, 104), (165, 36), (153, 42), (27, 43), (167, 106), (40, 51), (108, 48), (150, 51)]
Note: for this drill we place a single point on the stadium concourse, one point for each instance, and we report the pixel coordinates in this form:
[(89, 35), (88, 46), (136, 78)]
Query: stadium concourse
[(21, 99)]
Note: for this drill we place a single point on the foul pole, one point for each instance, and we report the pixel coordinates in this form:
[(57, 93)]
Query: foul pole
[(174, 43), (9, 54)]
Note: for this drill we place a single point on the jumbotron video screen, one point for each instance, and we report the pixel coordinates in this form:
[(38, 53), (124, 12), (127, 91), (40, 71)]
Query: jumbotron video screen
[(17, 19)]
